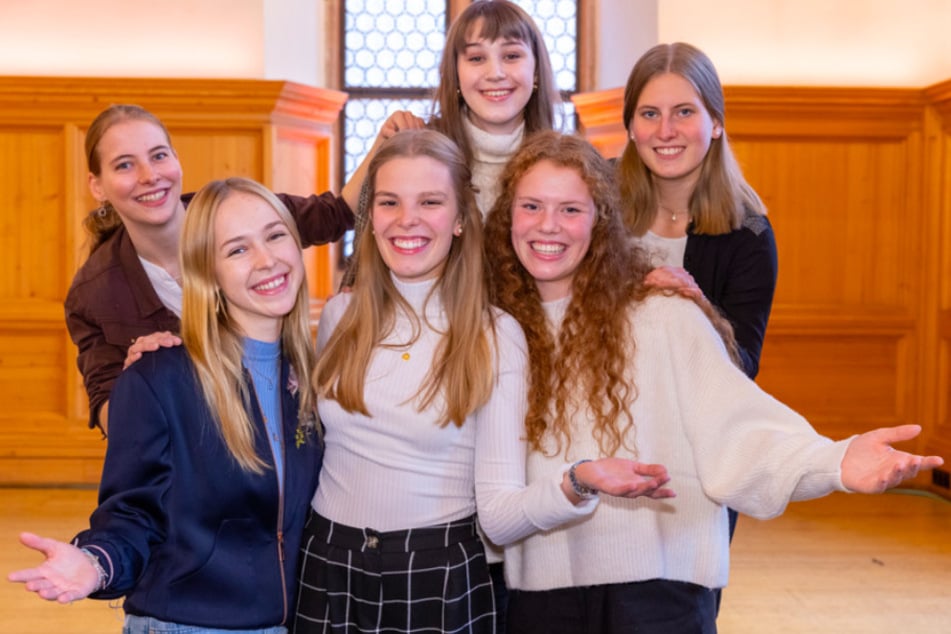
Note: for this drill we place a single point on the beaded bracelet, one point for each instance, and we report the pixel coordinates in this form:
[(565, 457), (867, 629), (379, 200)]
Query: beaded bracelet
[(583, 492), (103, 577)]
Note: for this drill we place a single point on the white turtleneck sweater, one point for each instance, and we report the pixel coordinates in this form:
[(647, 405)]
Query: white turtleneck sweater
[(724, 442), (490, 153), (398, 469)]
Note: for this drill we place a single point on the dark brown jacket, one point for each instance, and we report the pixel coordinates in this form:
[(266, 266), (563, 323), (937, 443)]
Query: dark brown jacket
[(111, 301)]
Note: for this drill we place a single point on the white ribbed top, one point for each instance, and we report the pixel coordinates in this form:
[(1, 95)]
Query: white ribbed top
[(398, 469)]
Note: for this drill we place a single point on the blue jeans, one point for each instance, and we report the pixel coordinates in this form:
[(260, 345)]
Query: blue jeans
[(148, 625)]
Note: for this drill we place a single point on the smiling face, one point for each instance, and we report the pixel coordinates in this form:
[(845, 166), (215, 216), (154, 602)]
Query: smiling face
[(415, 216), (672, 129), (496, 79), (139, 175), (553, 215), (258, 265)]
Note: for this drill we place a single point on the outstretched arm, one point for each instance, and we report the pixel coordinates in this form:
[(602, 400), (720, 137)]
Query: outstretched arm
[(872, 465), (68, 574), (399, 120)]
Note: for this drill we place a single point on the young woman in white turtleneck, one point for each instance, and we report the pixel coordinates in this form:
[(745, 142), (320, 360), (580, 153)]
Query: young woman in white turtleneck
[(421, 389), (497, 88)]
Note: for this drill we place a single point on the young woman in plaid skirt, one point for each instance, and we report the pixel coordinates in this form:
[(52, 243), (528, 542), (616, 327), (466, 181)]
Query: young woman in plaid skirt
[(421, 389)]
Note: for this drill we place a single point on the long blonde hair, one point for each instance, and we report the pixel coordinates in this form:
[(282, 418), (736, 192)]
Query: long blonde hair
[(462, 371), (213, 340), (594, 346), (722, 198)]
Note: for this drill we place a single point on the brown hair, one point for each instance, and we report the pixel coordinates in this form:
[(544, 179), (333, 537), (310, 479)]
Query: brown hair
[(591, 352), (722, 197), (102, 222), (497, 19)]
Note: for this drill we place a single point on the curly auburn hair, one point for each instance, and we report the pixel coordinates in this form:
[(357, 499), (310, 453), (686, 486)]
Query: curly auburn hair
[(591, 352)]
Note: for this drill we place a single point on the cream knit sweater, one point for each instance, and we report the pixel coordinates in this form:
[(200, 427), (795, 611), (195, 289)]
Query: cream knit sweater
[(724, 442)]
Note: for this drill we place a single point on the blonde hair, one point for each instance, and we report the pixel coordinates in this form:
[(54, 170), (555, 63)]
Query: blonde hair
[(462, 370), (213, 340), (496, 19), (594, 345), (722, 198)]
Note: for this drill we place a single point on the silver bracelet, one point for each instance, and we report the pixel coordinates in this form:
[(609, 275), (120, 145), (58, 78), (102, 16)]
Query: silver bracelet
[(583, 492), (103, 577)]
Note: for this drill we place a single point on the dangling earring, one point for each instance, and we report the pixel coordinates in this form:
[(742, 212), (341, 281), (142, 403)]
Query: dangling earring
[(219, 307), (102, 210)]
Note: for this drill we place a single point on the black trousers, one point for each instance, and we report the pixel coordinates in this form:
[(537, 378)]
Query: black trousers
[(647, 607)]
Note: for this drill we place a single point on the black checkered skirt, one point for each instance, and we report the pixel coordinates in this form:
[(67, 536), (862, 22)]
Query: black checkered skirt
[(431, 580)]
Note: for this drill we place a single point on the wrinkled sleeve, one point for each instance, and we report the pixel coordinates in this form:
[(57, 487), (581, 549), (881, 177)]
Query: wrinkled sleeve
[(99, 361), (131, 516), (752, 453), (320, 218), (747, 299), (508, 509)]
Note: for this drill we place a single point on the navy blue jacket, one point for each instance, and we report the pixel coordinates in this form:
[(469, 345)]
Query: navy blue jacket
[(183, 532), (737, 272)]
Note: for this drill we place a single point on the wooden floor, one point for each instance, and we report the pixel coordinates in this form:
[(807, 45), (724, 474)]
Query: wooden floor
[(843, 564)]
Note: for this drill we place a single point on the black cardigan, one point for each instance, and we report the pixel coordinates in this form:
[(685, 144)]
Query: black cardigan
[(737, 272)]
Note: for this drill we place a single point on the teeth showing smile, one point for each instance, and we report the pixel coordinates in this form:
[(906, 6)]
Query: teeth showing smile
[(270, 286), (496, 93), (669, 151), (148, 198), (409, 243), (547, 248)]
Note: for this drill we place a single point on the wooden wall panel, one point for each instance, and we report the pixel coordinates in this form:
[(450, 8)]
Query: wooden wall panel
[(839, 218), (35, 362), (856, 183), (279, 133), (32, 245), (939, 173)]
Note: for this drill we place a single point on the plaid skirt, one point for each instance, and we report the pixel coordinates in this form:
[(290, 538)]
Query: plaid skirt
[(357, 580)]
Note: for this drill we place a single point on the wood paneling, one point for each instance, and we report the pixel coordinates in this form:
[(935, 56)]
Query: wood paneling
[(856, 183), (279, 133)]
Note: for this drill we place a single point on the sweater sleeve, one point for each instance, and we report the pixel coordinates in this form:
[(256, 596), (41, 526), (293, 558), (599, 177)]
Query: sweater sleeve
[(508, 510), (751, 452)]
